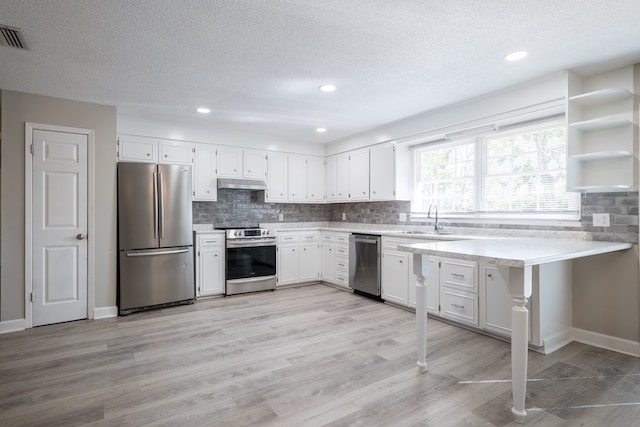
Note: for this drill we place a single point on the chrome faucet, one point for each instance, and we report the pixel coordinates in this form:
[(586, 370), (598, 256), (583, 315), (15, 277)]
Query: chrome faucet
[(436, 227)]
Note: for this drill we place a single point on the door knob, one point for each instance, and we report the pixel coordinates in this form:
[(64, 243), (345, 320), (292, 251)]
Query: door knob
[(80, 236)]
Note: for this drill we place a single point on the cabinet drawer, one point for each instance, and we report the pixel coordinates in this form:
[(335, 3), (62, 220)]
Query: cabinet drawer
[(459, 274), (342, 278), (342, 263), (460, 306), (342, 251), (287, 237), (328, 237), (212, 240), (309, 236), (392, 243), (342, 238)]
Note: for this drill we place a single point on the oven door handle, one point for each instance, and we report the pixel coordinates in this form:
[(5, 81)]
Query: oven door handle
[(252, 244), (252, 279)]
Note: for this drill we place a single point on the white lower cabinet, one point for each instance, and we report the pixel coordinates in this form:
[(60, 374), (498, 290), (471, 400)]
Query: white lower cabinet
[(310, 261), (459, 290), (398, 281), (395, 276), (328, 257), (335, 258), (549, 305), (210, 264), (342, 259), (288, 261), (396, 273), (299, 257)]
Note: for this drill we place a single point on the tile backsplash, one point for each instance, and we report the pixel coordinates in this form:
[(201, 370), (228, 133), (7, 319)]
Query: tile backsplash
[(241, 208)]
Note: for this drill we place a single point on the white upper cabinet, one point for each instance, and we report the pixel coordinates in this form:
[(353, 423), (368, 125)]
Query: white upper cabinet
[(150, 150), (255, 164), (204, 173), (175, 152), (276, 178), (342, 178), (316, 179), (297, 178), (306, 179), (332, 178), (234, 162), (359, 175), (602, 140), (229, 162), (389, 172), (136, 149)]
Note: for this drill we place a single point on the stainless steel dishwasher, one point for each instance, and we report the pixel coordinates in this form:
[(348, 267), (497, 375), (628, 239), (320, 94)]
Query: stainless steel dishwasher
[(364, 264)]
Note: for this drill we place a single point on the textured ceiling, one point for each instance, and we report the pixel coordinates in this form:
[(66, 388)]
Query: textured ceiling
[(258, 63)]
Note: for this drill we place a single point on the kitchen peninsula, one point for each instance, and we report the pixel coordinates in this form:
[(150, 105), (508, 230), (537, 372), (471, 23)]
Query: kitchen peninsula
[(520, 256)]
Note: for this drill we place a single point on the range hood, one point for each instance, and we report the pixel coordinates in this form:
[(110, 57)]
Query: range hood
[(242, 184)]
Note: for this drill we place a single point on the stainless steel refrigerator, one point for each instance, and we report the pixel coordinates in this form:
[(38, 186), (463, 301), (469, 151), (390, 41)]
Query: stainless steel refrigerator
[(155, 236)]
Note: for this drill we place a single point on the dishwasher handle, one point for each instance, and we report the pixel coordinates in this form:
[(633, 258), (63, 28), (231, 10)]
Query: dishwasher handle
[(359, 238)]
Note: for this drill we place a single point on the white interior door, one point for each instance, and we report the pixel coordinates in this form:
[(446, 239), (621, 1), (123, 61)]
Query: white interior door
[(59, 227)]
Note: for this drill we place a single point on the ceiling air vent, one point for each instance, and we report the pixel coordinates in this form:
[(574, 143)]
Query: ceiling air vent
[(12, 37)]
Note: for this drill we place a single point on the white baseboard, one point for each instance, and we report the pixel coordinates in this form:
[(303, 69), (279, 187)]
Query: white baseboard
[(105, 312), (13, 325), (557, 341), (607, 342)]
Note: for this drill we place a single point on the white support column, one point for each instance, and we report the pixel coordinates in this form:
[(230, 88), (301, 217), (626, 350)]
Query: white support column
[(520, 282), (420, 265)]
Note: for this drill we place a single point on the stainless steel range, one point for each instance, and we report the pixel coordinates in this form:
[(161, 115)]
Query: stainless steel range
[(251, 260)]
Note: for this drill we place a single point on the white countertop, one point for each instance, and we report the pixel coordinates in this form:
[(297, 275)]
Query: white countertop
[(516, 252)]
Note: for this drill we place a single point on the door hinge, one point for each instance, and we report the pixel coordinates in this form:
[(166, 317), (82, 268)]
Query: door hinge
[(439, 265), (31, 148), (438, 307), (31, 297), (198, 253)]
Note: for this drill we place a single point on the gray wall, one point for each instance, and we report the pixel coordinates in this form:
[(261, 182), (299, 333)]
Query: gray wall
[(18, 108)]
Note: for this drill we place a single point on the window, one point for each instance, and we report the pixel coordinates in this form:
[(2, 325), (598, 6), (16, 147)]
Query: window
[(519, 173)]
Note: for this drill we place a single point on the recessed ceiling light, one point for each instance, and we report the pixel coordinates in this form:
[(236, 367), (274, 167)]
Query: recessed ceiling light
[(515, 56), (203, 110), (321, 130), (327, 88)]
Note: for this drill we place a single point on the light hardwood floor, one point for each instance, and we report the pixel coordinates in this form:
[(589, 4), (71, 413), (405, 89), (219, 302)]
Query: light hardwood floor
[(306, 356)]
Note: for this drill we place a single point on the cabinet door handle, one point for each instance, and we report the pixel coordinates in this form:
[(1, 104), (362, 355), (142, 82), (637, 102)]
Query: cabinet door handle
[(457, 275), (458, 306), (400, 261), (490, 275)]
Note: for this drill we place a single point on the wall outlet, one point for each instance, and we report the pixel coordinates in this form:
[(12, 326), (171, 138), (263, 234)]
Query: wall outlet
[(402, 217), (280, 217), (344, 216), (601, 220)]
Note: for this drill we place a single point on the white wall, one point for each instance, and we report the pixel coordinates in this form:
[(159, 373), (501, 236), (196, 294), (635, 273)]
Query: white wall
[(188, 132), (547, 94), (18, 108)]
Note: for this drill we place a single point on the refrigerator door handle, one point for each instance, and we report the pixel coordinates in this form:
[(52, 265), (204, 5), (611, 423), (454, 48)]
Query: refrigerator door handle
[(155, 205), (176, 251), (161, 203)]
